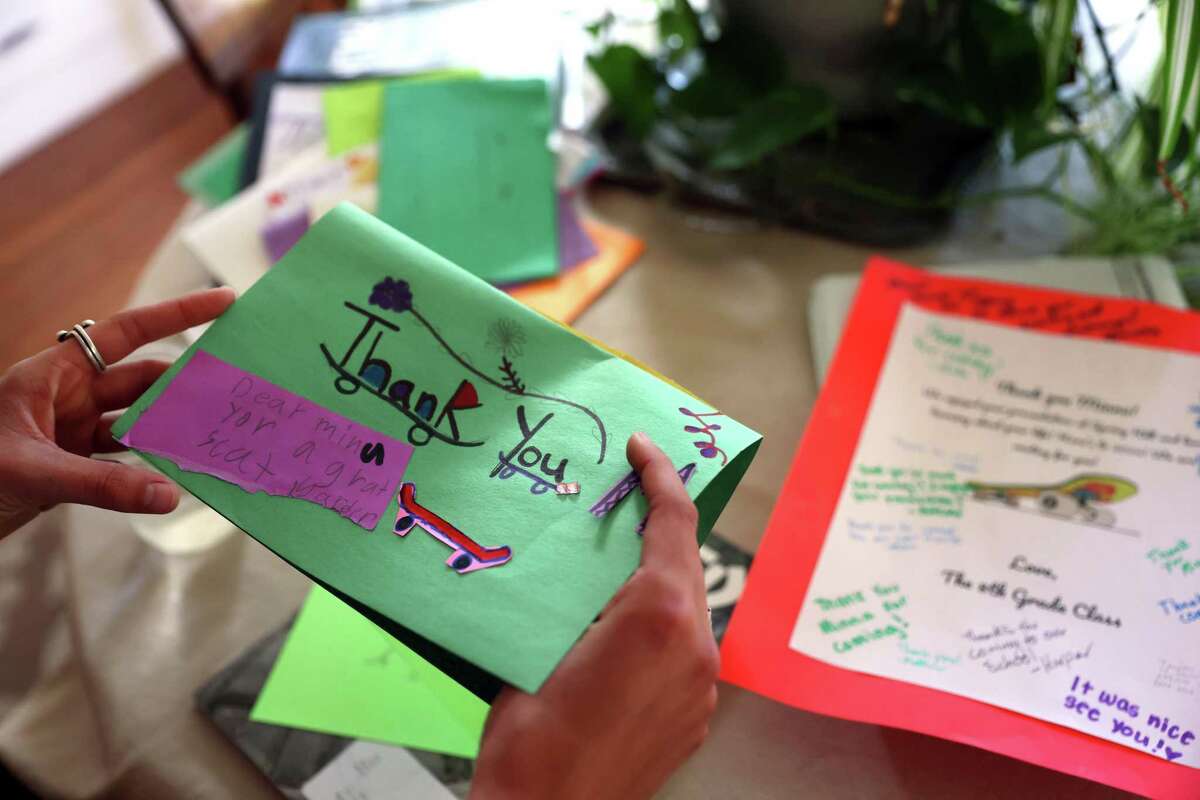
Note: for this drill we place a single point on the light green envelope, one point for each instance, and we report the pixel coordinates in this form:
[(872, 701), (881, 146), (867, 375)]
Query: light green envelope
[(338, 673), (465, 169), (354, 110), (352, 285), (216, 176)]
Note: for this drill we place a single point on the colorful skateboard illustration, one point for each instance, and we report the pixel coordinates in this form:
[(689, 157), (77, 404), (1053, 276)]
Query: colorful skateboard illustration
[(468, 556), (1080, 498)]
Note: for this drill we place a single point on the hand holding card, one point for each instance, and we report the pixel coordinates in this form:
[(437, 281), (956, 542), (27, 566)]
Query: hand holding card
[(632, 700), (419, 481)]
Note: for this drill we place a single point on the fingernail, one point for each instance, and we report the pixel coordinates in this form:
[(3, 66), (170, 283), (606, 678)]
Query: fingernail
[(641, 438), (160, 498)]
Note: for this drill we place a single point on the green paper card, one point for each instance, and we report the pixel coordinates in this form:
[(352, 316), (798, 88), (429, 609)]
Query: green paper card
[(369, 687), (354, 110), (216, 176), (363, 362), (466, 171)]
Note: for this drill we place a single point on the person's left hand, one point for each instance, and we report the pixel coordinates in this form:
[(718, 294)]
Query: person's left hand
[(55, 411)]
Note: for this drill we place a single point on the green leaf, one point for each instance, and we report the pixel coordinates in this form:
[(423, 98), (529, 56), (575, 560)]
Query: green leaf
[(1030, 135), (600, 26), (751, 52), (630, 80), (781, 118), (725, 76), (1001, 59), (1183, 148), (1131, 148), (1058, 44), (715, 91), (679, 28), (1150, 121), (1179, 71), (936, 87), (1191, 122)]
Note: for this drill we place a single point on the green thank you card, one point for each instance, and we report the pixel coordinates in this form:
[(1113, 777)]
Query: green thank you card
[(440, 457)]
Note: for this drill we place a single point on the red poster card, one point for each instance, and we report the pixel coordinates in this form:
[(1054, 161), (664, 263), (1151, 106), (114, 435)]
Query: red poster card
[(755, 652)]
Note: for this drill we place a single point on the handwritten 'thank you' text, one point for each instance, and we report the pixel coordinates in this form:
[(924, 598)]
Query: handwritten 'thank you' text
[(854, 619)]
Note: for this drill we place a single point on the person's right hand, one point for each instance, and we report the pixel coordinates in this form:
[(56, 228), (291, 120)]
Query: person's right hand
[(631, 701)]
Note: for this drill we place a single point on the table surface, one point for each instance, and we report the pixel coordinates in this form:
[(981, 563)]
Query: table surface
[(719, 304)]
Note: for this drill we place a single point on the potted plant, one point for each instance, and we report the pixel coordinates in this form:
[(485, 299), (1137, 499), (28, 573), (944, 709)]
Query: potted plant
[(719, 113)]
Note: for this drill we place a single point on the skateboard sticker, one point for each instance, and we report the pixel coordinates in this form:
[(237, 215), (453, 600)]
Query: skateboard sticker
[(466, 555), (612, 498), (1084, 498), (619, 491)]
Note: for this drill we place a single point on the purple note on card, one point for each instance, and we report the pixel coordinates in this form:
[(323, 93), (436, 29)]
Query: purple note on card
[(223, 421)]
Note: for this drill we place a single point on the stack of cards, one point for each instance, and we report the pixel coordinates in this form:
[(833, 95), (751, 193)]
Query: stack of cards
[(455, 153)]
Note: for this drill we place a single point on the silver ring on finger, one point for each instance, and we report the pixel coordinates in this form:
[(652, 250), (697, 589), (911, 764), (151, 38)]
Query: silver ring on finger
[(80, 335)]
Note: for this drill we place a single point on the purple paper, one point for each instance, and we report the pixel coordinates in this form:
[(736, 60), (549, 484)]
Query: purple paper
[(283, 230), (223, 421), (574, 245)]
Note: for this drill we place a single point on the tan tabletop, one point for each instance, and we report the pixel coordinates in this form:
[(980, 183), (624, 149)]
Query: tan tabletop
[(115, 635)]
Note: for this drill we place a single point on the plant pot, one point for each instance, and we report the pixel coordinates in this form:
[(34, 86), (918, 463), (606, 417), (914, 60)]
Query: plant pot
[(884, 178), (882, 182)]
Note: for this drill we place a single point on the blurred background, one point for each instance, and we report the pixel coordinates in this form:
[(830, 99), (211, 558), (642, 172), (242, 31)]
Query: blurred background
[(872, 121), (718, 173)]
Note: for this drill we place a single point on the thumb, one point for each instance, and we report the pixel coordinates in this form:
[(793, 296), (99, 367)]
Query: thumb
[(107, 484), (670, 538)]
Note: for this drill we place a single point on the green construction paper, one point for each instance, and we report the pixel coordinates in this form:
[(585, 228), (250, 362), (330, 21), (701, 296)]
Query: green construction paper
[(354, 111), (515, 621), (216, 176), (466, 171), (368, 686)]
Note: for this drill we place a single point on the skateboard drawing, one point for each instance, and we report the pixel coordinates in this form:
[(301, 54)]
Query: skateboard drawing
[(1083, 498), (467, 555)]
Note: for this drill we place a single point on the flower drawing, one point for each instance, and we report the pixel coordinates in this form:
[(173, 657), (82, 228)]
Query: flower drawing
[(506, 338), (392, 295)]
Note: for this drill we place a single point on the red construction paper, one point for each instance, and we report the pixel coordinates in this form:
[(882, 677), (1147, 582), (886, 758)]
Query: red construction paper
[(755, 652)]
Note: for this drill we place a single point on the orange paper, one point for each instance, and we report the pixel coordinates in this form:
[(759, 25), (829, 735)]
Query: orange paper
[(564, 297), (755, 652)]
